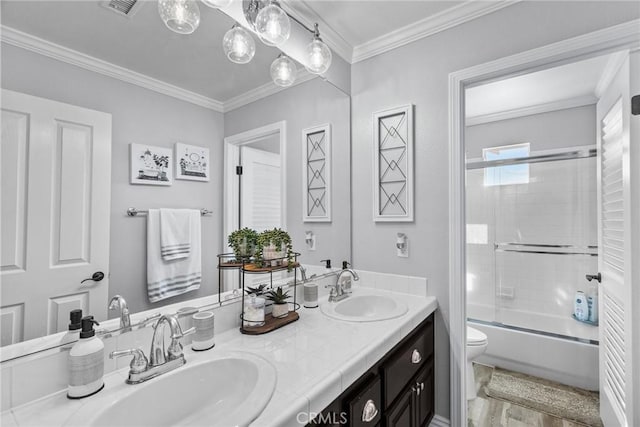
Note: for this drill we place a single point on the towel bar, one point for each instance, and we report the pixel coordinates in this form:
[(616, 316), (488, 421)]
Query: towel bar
[(135, 212)]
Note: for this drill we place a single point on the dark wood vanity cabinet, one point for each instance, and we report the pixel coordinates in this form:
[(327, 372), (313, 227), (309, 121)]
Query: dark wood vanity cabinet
[(398, 391)]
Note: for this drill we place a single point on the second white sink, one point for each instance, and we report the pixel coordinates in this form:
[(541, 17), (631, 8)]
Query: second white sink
[(365, 306)]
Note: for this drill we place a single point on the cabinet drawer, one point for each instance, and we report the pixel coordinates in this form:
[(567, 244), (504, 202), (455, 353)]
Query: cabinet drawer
[(368, 400), (400, 368)]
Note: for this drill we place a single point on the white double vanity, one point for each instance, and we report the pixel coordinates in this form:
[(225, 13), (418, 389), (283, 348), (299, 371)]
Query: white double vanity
[(282, 378)]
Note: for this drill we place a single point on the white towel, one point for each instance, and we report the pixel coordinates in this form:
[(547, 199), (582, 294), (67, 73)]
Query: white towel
[(170, 278), (175, 233)]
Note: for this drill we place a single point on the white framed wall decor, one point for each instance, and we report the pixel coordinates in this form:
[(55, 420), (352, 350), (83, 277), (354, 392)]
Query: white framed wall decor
[(150, 165), (393, 165), (192, 162), (316, 171)]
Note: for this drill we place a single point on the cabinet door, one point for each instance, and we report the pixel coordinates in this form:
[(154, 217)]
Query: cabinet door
[(424, 399), (365, 408), (403, 413)]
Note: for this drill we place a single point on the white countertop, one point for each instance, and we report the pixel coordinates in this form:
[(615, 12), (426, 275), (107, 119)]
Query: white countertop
[(316, 358)]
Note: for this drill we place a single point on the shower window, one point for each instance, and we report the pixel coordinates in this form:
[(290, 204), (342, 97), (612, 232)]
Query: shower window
[(508, 174)]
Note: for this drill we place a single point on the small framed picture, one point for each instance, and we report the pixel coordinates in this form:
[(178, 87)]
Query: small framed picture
[(150, 165), (192, 162)]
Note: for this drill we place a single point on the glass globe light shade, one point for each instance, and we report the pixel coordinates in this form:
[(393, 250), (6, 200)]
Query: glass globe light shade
[(217, 4), (283, 71), (318, 57), (238, 45), (273, 25), (181, 16)]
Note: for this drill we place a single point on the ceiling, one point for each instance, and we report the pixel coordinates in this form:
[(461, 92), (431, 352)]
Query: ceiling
[(196, 62), (575, 81), (143, 44), (359, 22)]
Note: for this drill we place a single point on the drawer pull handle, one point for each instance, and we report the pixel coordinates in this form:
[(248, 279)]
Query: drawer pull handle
[(416, 357), (369, 412)]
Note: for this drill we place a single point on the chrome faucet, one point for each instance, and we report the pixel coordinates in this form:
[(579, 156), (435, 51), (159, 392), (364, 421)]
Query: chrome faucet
[(118, 302), (342, 288), (160, 360)]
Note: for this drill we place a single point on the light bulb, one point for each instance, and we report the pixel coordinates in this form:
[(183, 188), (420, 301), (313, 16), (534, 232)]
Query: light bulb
[(217, 4), (318, 57), (273, 25), (238, 45), (181, 16), (283, 71)]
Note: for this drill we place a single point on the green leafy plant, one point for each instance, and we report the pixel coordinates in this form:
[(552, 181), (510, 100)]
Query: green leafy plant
[(278, 238), (243, 242), (278, 296), (257, 290)]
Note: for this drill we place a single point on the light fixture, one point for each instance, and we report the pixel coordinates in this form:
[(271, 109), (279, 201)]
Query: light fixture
[(283, 71), (238, 45), (318, 54), (217, 4), (273, 25), (181, 16)]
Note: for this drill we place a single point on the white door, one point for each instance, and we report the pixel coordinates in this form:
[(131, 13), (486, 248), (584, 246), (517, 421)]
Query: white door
[(56, 190), (261, 192), (615, 257)]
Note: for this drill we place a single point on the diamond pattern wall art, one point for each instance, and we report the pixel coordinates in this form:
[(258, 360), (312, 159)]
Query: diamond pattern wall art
[(316, 168), (393, 164)]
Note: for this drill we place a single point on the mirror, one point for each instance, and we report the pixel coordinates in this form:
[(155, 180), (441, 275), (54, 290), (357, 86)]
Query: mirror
[(157, 88)]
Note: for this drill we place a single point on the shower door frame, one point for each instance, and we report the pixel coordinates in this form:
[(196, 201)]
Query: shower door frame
[(619, 37)]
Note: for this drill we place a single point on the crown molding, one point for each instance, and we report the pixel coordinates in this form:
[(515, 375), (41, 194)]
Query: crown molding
[(444, 20), (563, 104), (613, 65), (43, 47), (301, 11), (263, 91)]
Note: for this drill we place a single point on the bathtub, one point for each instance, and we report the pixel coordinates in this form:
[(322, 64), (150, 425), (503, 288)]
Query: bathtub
[(568, 355)]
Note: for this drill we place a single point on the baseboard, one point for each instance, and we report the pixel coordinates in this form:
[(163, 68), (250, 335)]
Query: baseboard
[(439, 421)]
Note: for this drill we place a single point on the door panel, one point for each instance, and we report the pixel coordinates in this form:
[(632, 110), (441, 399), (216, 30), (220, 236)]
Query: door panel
[(56, 171), (614, 250), (15, 128)]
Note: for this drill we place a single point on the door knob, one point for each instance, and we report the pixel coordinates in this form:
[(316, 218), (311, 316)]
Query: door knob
[(97, 276), (598, 277)]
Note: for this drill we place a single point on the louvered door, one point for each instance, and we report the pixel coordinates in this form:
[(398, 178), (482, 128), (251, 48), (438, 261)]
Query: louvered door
[(614, 253)]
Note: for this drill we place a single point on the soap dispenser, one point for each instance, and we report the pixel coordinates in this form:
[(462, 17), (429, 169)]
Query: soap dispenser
[(75, 324), (86, 362)]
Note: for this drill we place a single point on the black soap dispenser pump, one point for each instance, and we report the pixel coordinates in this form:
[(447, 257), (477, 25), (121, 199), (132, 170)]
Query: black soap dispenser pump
[(75, 324), (86, 362)]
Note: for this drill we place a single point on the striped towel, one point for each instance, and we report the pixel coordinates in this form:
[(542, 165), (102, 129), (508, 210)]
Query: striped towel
[(166, 279), (175, 233)]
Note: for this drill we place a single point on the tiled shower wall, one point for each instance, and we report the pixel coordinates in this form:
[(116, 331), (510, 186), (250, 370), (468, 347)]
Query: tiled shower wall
[(556, 207)]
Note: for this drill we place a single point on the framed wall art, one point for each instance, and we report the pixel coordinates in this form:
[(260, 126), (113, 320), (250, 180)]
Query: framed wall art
[(192, 162), (393, 164), (150, 165), (316, 171)]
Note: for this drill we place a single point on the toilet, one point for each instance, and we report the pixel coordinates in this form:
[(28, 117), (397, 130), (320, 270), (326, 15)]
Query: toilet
[(476, 345)]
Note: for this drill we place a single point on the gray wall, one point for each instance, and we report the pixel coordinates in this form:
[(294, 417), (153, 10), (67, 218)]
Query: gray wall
[(546, 131), (308, 104), (139, 116), (418, 73)]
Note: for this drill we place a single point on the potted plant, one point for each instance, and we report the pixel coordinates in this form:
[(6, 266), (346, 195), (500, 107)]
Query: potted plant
[(280, 305), (274, 244), (243, 242), (257, 290)]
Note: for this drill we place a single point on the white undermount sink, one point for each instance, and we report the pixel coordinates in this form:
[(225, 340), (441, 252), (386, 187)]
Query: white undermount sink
[(364, 306), (231, 390)]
